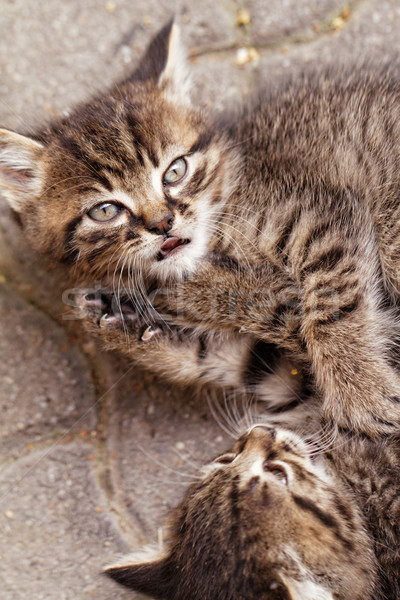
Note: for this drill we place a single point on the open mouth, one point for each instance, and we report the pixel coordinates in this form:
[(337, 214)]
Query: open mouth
[(170, 246)]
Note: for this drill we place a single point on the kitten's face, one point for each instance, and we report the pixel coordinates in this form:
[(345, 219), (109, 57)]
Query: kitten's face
[(132, 180), (265, 522), (142, 196)]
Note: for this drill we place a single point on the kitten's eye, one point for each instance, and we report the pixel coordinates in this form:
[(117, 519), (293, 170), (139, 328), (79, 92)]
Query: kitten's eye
[(276, 470), (175, 171), (104, 212), (225, 459)]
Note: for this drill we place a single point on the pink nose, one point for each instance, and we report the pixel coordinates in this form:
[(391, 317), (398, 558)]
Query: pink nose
[(161, 227)]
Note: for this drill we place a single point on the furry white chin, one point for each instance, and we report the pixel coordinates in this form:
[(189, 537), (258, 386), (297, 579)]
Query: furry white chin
[(179, 262)]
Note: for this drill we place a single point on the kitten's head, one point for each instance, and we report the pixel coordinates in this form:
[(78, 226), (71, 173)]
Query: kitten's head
[(264, 522), (133, 178)]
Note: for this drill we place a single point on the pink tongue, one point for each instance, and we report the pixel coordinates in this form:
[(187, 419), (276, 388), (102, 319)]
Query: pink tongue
[(171, 243)]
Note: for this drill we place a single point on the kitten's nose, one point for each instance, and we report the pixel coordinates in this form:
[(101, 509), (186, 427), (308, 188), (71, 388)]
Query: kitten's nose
[(161, 227), (261, 431)]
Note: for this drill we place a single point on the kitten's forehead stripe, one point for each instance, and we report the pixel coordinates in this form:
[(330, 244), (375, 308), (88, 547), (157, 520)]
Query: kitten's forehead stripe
[(139, 140), (202, 142), (88, 189), (105, 182), (153, 157), (96, 168), (327, 519)]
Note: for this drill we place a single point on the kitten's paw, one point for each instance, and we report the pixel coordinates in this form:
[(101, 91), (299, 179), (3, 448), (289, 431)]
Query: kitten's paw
[(116, 319)]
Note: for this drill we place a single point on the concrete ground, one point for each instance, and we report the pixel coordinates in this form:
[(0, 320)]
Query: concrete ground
[(92, 451)]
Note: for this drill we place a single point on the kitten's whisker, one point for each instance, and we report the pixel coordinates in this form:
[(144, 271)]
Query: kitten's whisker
[(225, 234), (237, 417), (232, 410), (88, 177), (172, 482), (217, 412), (192, 464), (164, 466), (324, 441), (116, 289), (225, 215)]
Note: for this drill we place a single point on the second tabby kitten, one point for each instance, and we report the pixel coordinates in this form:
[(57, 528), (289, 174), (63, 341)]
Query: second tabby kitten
[(297, 194), (275, 519)]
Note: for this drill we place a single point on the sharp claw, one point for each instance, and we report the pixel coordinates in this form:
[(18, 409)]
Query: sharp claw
[(91, 300), (103, 320), (149, 332)]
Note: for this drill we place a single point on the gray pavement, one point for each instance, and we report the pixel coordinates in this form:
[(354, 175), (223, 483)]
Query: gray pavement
[(93, 451)]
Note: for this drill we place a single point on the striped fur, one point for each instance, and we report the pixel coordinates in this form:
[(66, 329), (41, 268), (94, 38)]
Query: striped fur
[(275, 520), (287, 215)]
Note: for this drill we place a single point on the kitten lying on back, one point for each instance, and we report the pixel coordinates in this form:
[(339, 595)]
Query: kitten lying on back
[(276, 519), (298, 193)]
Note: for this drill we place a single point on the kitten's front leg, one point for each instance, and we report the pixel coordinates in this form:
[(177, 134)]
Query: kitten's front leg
[(253, 300), (165, 349)]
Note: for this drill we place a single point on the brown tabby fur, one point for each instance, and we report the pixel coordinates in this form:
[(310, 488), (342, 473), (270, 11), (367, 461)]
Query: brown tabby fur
[(288, 211), (290, 216), (275, 520)]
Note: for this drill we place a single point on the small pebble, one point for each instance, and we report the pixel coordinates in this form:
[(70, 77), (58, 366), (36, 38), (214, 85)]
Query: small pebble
[(126, 53), (243, 18), (246, 55), (338, 23), (180, 446), (111, 7)]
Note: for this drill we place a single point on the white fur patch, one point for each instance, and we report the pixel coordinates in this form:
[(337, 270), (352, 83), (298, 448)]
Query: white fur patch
[(306, 590), (148, 554)]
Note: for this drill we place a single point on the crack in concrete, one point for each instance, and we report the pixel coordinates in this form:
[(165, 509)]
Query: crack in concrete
[(322, 29)]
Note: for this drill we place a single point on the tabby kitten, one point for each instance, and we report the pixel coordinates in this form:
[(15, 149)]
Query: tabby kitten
[(275, 519), (282, 220)]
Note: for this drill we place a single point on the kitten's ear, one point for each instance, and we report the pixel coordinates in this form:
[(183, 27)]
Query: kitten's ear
[(146, 573), (165, 62), (299, 590), (20, 170)]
